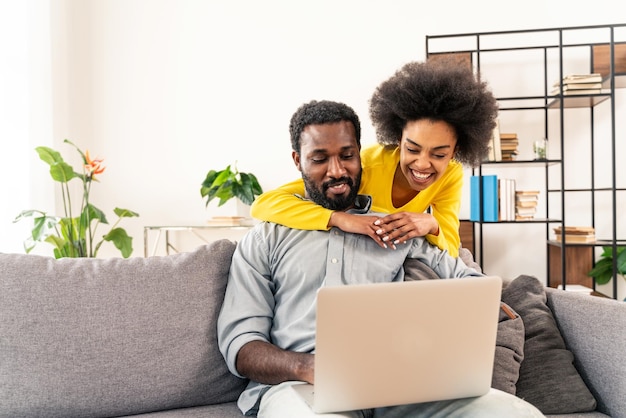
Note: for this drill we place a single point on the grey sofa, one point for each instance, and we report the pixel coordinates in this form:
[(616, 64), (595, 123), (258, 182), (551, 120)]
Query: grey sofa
[(136, 337)]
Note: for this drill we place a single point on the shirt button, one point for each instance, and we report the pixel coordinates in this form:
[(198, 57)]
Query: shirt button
[(334, 261)]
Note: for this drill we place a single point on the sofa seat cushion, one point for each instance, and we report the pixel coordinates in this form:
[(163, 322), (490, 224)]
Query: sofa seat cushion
[(112, 337), (222, 410)]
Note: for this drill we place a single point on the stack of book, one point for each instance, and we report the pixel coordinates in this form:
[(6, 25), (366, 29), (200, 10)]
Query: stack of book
[(579, 84), (526, 204), (508, 146), (576, 234)]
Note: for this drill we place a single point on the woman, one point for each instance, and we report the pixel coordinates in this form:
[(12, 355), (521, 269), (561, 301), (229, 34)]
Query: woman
[(430, 118)]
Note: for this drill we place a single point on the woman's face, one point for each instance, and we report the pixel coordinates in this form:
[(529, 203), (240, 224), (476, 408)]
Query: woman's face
[(426, 148)]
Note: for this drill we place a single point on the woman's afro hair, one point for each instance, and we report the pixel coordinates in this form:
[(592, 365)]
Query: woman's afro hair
[(440, 89)]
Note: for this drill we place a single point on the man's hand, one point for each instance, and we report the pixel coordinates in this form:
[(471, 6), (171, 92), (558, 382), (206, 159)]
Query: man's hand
[(397, 228), (266, 363), (358, 224)]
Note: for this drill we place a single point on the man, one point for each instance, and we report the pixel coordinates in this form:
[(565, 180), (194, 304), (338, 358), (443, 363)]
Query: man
[(266, 328)]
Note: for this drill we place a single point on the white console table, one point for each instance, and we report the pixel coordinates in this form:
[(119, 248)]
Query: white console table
[(196, 230)]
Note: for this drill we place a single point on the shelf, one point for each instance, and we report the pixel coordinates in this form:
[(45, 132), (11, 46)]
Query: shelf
[(546, 55), (596, 243), (529, 221), (579, 100), (537, 163)]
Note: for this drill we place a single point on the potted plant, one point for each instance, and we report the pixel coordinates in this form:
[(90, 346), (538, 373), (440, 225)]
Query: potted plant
[(603, 270), (74, 233), (230, 183)]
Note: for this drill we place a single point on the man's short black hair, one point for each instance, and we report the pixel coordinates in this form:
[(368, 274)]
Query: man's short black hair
[(319, 113)]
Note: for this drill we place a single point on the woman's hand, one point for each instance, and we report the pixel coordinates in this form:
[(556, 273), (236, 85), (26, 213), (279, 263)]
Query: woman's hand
[(360, 224), (397, 228)]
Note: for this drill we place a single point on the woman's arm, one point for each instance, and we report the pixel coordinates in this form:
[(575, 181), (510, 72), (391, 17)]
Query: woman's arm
[(284, 207)]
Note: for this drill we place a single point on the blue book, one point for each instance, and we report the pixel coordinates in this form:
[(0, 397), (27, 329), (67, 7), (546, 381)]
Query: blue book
[(489, 200)]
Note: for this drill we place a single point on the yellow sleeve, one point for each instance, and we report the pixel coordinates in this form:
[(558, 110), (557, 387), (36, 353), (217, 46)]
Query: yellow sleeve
[(283, 207), (446, 206)]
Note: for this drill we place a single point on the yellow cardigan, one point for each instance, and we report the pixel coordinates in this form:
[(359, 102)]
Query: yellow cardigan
[(379, 166)]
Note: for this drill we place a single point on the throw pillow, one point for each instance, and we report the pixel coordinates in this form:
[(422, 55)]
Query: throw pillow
[(547, 376), (509, 350)]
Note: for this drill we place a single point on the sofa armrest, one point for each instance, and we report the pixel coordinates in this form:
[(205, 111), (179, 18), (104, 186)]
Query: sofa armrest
[(593, 329)]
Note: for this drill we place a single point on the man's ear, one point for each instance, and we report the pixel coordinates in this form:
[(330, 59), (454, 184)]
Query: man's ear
[(296, 159)]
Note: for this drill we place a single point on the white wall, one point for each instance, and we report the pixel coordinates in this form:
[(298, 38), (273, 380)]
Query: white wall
[(25, 114), (165, 90)]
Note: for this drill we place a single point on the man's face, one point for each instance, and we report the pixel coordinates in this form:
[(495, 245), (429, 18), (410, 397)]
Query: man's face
[(330, 164)]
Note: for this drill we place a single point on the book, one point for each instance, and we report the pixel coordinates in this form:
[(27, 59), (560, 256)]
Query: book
[(576, 238), (489, 200), (506, 194), (579, 86), (526, 203), (495, 151), (525, 211), (576, 288), (497, 146), (578, 234), (577, 230), (228, 221), (583, 78), (506, 135), (521, 193), (508, 147)]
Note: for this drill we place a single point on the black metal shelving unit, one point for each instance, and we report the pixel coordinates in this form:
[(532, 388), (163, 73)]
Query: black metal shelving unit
[(604, 49)]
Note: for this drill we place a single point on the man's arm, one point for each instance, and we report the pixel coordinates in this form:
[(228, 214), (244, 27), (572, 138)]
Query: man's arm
[(265, 363)]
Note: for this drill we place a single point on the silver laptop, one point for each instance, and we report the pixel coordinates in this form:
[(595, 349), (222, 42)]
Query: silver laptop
[(399, 343)]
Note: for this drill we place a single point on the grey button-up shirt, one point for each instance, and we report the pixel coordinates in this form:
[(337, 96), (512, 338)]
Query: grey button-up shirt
[(276, 272)]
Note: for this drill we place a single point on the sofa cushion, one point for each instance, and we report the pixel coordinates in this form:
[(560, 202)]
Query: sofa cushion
[(111, 337), (548, 378)]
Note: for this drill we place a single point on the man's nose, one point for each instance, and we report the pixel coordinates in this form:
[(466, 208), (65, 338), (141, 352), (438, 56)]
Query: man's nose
[(336, 168)]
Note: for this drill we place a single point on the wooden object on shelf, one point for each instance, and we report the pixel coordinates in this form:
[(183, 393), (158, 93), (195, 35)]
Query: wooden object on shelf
[(602, 59), (464, 58), (466, 232), (578, 261)]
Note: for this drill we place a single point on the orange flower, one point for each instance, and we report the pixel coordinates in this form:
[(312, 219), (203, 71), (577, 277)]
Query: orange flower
[(94, 166)]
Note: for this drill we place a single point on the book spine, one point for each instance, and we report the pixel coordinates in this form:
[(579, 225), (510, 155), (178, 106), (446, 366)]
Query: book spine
[(489, 199)]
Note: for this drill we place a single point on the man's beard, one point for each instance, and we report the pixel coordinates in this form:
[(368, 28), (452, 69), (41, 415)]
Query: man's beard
[(318, 195)]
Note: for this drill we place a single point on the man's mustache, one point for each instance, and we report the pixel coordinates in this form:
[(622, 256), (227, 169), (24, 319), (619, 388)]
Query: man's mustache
[(334, 182)]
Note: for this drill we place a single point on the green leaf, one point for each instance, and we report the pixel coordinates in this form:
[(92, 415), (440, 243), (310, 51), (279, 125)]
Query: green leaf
[(121, 240), (49, 155), (62, 172), (91, 212), (125, 213), (603, 269), (82, 154)]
